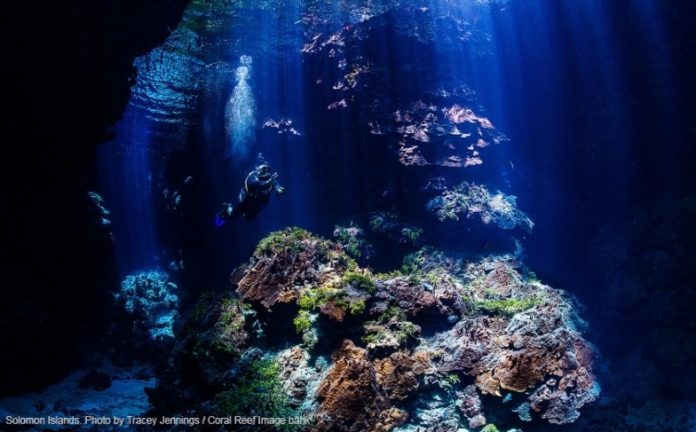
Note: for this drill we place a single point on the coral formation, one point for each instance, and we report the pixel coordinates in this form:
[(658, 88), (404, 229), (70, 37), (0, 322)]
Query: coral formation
[(471, 200), (444, 329), (451, 136), (150, 298), (350, 398), (389, 225), (287, 261), (353, 240), (425, 126), (258, 391)]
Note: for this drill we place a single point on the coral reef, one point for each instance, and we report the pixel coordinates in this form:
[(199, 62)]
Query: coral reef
[(424, 126), (444, 135), (352, 239), (389, 225), (287, 261), (367, 236), (151, 299), (350, 398), (469, 403), (420, 347), (257, 391), (474, 200)]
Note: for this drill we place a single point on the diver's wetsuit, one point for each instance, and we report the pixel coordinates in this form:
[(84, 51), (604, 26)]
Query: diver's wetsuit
[(253, 197)]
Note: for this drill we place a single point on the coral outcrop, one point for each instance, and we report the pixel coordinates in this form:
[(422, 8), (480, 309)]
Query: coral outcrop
[(150, 298), (350, 398), (472, 200), (287, 261), (420, 346)]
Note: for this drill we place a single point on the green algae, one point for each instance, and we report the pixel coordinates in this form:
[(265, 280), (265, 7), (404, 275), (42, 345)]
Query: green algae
[(259, 391), (508, 306)]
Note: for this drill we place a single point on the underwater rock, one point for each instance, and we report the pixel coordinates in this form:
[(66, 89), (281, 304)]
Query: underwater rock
[(524, 412), (100, 206), (300, 380), (423, 126), (390, 331), (469, 403), (353, 240), (350, 398), (150, 298), (285, 262), (399, 373), (210, 351), (451, 136), (436, 335), (433, 411), (388, 224), (95, 380), (215, 336), (517, 333), (471, 200), (374, 235), (434, 292)]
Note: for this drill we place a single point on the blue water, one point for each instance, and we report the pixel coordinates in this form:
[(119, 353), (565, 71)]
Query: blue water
[(583, 90), (549, 75)]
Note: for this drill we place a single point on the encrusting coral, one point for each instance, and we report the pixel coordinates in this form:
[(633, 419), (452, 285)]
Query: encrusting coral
[(441, 328), (151, 299), (472, 200)]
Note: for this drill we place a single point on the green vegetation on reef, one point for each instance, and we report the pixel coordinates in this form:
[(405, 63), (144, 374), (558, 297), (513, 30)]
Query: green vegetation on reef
[(356, 307), (294, 240), (287, 240), (449, 381), (389, 275), (509, 306), (401, 330), (392, 311), (303, 321), (380, 221), (422, 260), (217, 326), (259, 391), (490, 428), (392, 322), (358, 280), (452, 379), (334, 292), (411, 233), (372, 338), (407, 331), (350, 240)]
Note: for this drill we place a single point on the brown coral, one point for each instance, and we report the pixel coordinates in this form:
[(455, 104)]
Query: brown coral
[(350, 396), (289, 260), (399, 373), (537, 348)]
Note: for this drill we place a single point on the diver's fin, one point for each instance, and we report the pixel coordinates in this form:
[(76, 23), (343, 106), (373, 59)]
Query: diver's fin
[(220, 220), (223, 215)]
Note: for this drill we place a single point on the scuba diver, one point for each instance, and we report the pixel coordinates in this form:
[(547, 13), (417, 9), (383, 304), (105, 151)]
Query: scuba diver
[(254, 196)]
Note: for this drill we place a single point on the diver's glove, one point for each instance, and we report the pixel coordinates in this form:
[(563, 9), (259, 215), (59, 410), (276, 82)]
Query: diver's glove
[(280, 190)]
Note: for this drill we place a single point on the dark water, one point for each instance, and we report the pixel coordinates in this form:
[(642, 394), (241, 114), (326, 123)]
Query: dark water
[(591, 106)]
